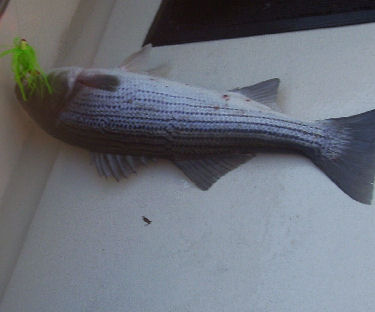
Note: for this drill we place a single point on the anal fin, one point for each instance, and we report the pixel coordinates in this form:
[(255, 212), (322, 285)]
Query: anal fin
[(206, 171)]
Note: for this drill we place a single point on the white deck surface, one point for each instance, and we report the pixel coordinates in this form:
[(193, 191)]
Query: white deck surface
[(273, 235)]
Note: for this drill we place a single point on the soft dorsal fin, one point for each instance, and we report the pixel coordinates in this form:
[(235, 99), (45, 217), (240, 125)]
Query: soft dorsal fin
[(206, 171), (264, 92), (118, 166)]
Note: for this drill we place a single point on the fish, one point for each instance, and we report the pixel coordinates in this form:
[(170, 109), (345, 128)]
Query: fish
[(127, 118)]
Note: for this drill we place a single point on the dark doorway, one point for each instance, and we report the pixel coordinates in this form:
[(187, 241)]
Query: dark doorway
[(182, 21)]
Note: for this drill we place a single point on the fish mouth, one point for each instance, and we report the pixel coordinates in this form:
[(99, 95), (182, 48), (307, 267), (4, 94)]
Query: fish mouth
[(64, 80)]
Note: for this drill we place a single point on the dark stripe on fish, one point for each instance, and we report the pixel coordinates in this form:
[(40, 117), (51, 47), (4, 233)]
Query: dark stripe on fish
[(123, 109)]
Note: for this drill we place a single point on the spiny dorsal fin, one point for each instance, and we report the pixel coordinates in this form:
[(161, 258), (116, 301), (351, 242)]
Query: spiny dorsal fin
[(160, 71), (206, 171), (264, 92), (137, 60)]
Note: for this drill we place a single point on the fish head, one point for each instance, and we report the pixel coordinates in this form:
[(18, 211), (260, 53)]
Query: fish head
[(44, 106)]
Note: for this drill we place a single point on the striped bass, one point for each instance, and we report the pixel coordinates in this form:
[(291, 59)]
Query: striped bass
[(125, 118)]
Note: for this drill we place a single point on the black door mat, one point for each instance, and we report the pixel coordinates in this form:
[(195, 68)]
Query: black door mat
[(183, 21)]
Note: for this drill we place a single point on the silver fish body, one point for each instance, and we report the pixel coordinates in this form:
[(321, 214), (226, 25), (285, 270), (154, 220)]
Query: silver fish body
[(157, 117), (115, 112)]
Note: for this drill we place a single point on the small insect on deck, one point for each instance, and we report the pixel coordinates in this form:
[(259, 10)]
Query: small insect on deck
[(146, 220)]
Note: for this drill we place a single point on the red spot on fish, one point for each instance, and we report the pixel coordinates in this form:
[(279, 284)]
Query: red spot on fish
[(226, 97), (216, 107), (247, 100)]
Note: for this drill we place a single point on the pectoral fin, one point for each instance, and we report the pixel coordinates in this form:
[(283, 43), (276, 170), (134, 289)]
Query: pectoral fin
[(264, 92), (118, 166), (206, 171), (99, 81)]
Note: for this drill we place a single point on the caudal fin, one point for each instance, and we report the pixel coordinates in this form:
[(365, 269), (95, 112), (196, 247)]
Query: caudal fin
[(350, 158)]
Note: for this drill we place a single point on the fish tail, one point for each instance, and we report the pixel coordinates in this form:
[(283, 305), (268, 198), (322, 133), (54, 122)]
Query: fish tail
[(348, 158)]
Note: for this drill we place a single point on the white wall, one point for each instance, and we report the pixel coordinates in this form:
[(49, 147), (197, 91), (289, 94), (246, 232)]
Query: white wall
[(273, 235), (27, 154)]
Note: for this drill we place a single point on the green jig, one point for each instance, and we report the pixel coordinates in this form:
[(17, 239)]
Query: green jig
[(26, 68)]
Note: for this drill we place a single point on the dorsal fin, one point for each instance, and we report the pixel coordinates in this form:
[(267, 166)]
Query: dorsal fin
[(136, 61), (160, 71), (264, 92)]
